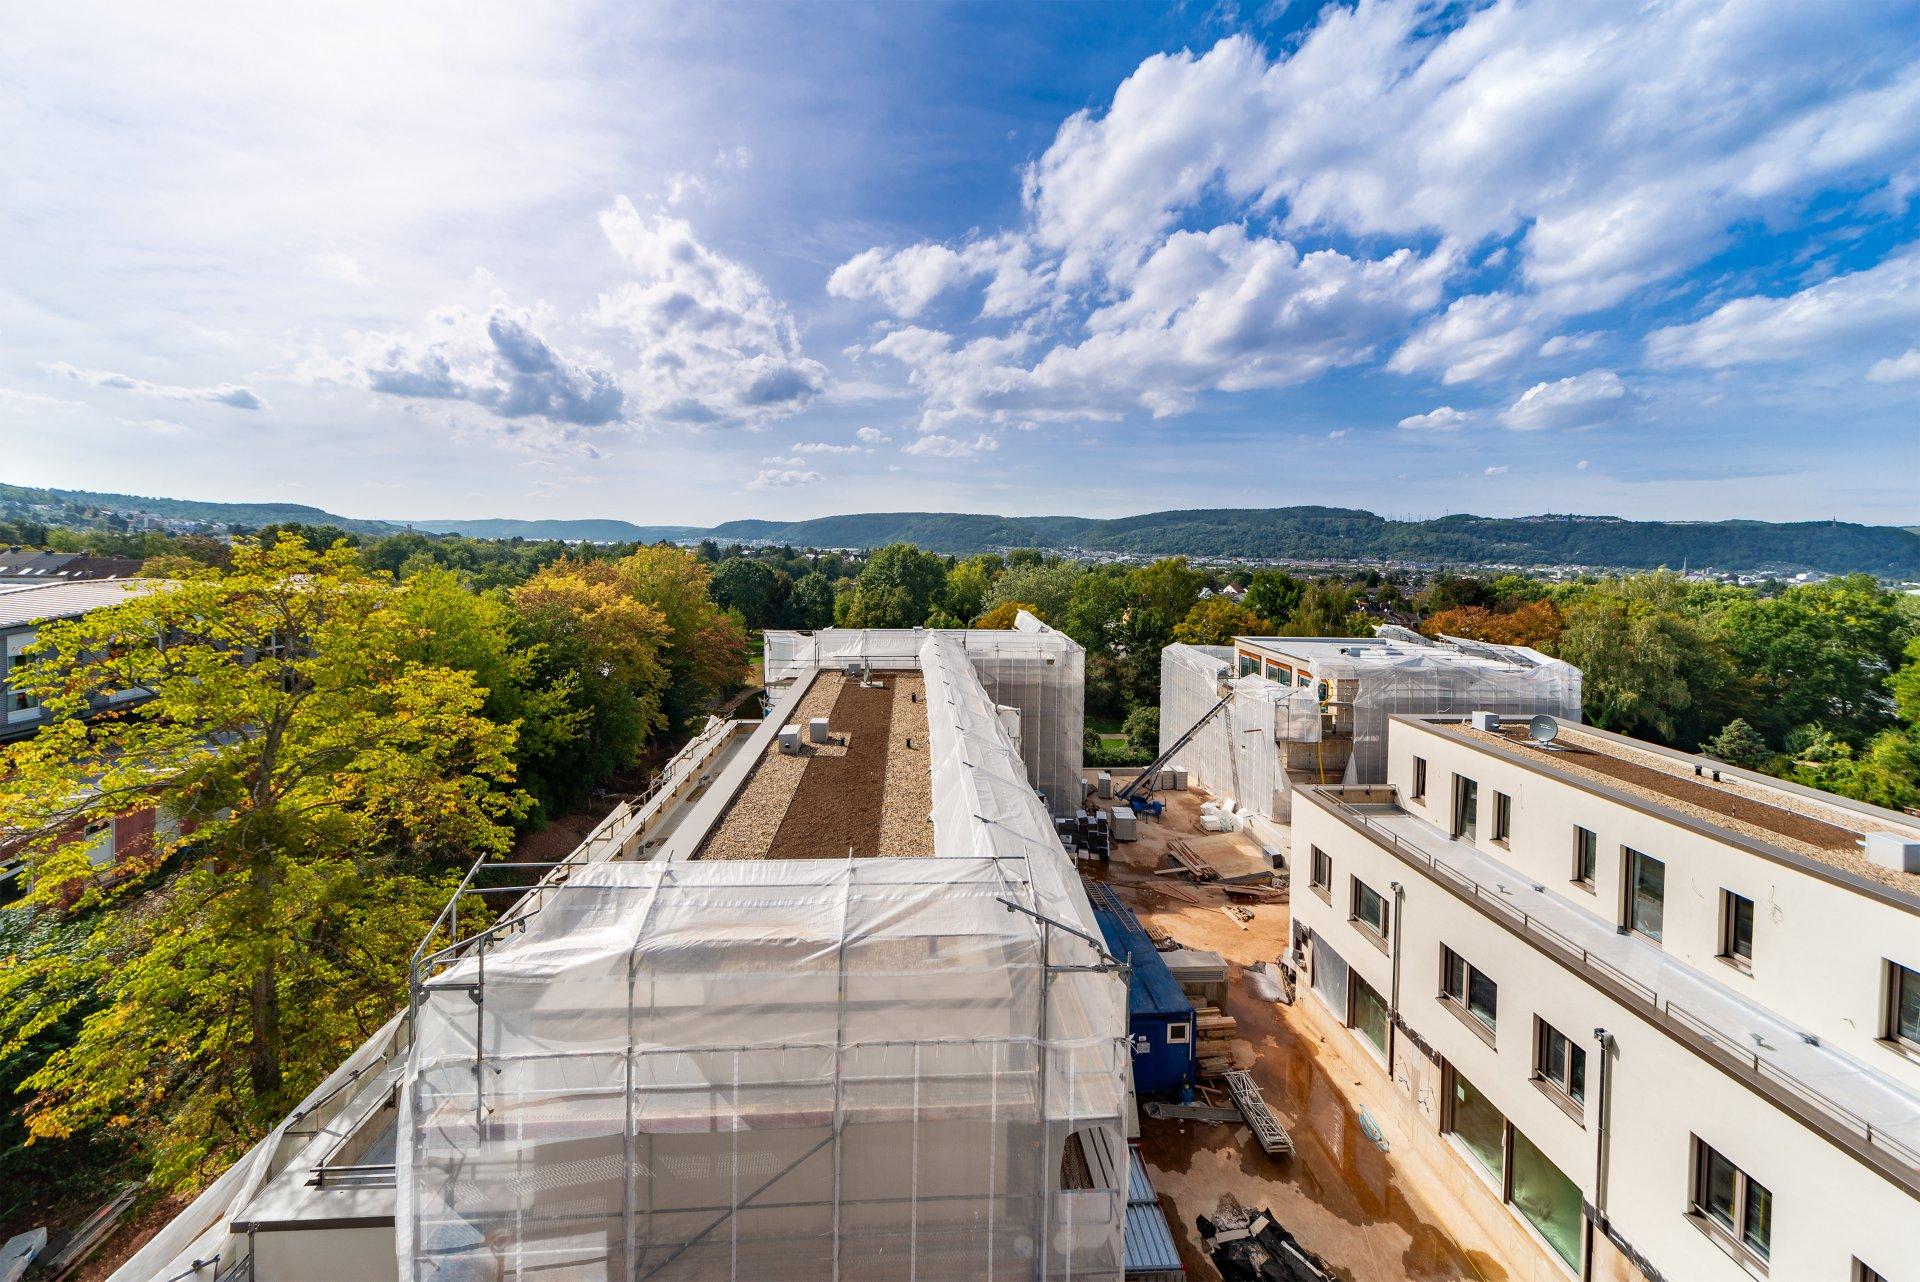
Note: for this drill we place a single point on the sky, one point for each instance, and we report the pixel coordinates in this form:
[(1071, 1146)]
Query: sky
[(681, 264)]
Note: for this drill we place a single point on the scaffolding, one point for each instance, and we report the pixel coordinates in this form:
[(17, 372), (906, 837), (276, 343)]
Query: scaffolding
[(1330, 724), (1036, 671), (872, 1068)]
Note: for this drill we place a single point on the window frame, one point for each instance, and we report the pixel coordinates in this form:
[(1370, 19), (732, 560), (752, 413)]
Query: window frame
[(1377, 934), (1634, 924), (1462, 1004), (1560, 1087), (1733, 1233), (1420, 779), (1319, 885), (1729, 950), (1892, 1033), (1466, 808), (1180, 1033), (1502, 818), (1586, 857)]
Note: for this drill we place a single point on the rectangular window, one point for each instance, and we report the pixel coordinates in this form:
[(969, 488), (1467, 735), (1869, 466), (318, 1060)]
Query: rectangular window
[(1419, 778), (1481, 1128), (1586, 855), (1179, 1034), (1368, 1015), (1903, 1021), (1502, 818), (1547, 1198), (1469, 989), (18, 700), (1279, 672), (1249, 665), (1558, 1064), (1736, 929), (1320, 877), (1466, 807), (1861, 1273), (1732, 1201), (1646, 895), (1369, 909)]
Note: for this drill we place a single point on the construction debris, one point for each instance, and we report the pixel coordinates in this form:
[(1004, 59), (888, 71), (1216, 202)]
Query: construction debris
[(1239, 915), (1250, 1246)]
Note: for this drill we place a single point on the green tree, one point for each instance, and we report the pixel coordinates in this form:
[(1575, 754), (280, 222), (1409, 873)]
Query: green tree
[(706, 652), (1168, 587), (747, 586), (1272, 594), (1217, 621), (1651, 668), (1739, 744), (1325, 610), (606, 651), (323, 776), (1142, 728), (810, 604), (968, 584), (1819, 653), (898, 588), (1045, 589)]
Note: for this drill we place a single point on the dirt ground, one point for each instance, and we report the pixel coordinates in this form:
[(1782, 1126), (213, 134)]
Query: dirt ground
[(1372, 1215)]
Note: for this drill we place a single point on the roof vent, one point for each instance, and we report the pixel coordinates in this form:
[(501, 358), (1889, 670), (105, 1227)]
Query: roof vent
[(1487, 721), (1893, 852)]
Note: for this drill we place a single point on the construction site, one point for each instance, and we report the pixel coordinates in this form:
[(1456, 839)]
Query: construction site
[(878, 984), (1268, 713)]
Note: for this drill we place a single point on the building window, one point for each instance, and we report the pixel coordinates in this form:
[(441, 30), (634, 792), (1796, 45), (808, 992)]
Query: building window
[(1502, 818), (1469, 989), (1736, 929), (1369, 908), (1861, 1273), (1525, 1179), (1730, 1200), (1558, 1064), (1368, 1012), (1179, 1034), (18, 700), (1586, 856), (1547, 1198), (1279, 672), (1466, 807), (1320, 877), (1419, 778), (1249, 665), (1481, 1128), (1903, 1005), (1646, 895)]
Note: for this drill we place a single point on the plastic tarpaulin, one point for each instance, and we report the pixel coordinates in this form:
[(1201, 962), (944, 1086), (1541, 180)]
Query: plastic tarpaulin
[(1345, 706), (798, 1069)]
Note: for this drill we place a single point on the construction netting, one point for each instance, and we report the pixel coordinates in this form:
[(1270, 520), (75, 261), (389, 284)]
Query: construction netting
[(1330, 724), (748, 1070), (1036, 671)]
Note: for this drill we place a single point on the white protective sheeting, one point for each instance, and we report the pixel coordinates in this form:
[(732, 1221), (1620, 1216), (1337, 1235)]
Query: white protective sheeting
[(1034, 668), (1349, 697), (794, 1069)]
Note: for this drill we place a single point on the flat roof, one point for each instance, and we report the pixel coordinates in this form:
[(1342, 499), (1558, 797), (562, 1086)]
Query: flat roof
[(1384, 651), (34, 602), (1804, 821)]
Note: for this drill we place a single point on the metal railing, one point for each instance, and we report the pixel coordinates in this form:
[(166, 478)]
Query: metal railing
[(1666, 1010)]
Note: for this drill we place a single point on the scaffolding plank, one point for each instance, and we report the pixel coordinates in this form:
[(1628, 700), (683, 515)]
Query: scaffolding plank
[(1273, 1137)]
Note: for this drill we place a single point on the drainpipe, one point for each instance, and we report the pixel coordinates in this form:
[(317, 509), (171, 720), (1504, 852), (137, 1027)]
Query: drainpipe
[(1393, 993), (1603, 1144)]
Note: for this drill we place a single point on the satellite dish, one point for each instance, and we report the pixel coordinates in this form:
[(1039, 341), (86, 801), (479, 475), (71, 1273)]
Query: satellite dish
[(1543, 729)]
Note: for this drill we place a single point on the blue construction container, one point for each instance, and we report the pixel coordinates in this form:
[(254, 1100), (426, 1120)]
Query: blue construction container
[(1159, 1015)]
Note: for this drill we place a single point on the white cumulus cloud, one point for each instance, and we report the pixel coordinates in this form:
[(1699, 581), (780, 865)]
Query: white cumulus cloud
[(935, 445), (1904, 368), (872, 436), (1584, 400), (823, 447), (497, 360), (1444, 419), (782, 478)]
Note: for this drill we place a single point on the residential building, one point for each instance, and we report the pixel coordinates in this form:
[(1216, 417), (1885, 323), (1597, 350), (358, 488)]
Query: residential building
[(1663, 1014), (829, 1000), (30, 565), (1315, 709)]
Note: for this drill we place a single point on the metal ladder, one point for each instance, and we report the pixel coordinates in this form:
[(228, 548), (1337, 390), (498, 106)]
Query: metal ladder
[(1273, 1137)]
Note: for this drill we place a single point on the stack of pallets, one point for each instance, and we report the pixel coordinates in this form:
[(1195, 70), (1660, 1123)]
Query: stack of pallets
[(1214, 1033)]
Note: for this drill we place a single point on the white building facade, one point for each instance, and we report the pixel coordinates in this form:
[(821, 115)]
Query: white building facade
[(1666, 1021)]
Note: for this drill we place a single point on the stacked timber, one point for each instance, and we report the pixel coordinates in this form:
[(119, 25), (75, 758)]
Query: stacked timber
[(1214, 1032)]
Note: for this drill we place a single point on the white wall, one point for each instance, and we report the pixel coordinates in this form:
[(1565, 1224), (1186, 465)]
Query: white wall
[(1828, 1207), (1819, 948)]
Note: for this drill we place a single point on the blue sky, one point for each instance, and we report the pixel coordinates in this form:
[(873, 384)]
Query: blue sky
[(688, 263)]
